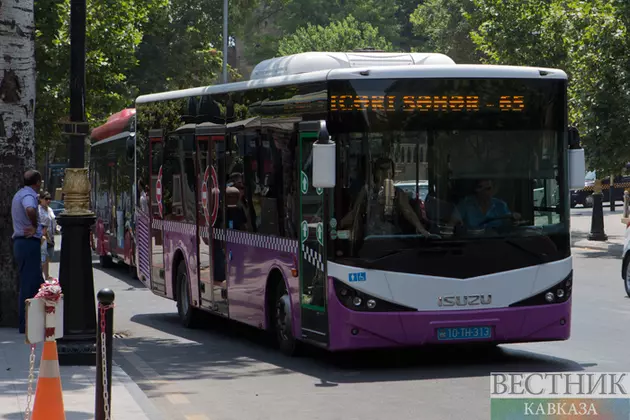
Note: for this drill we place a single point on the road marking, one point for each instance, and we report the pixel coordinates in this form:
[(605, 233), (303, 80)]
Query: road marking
[(177, 399)]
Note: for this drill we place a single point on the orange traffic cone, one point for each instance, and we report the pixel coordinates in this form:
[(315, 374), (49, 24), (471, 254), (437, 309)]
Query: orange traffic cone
[(48, 398)]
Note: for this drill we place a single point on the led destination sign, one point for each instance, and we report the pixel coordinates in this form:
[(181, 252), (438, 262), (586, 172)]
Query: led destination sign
[(436, 103)]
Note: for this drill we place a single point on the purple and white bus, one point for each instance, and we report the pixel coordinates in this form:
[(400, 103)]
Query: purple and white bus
[(278, 202)]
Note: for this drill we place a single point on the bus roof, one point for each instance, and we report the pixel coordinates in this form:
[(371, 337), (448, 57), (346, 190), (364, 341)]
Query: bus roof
[(391, 65)]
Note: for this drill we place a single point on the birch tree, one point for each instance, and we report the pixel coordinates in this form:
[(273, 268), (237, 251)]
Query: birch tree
[(17, 106)]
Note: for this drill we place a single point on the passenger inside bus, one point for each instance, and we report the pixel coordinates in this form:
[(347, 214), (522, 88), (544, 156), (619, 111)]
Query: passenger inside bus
[(384, 206), (236, 214), (481, 209), (238, 204)]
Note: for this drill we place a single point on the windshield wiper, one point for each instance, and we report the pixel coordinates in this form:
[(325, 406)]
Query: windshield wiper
[(542, 257), (389, 254), (419, 250)]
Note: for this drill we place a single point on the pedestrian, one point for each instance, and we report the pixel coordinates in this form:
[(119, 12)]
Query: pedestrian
[(47, 219), (27, 236)]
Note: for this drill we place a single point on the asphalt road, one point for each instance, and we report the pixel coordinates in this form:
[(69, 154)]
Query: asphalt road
[(226, 372)]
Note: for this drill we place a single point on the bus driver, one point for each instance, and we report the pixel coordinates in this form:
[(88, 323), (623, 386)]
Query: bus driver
[(482, 209)]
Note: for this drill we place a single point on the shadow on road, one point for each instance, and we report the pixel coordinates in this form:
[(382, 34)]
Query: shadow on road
[(120, 272), (224, 350), (614, 252)]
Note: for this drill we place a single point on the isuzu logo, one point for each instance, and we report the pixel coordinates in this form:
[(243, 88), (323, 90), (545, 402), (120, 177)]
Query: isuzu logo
[(470, 300)]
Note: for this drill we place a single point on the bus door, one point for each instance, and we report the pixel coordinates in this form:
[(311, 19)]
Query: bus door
[(156, 161), (210, 141), (312, 249)]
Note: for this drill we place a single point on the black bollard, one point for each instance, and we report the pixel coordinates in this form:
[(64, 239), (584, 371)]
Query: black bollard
[(104, 346), (597, 220)]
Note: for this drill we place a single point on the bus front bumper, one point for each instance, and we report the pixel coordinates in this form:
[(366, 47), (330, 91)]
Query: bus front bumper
[(364, 330)]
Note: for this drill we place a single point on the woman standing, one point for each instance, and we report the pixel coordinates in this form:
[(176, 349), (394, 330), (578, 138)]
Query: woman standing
[(47, 219)]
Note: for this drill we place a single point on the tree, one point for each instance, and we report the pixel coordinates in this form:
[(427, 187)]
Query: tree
[(444, 28), (17, 105), (133, 47), (113, 31), (380, 14), (600, 89), (586, 38), (278, 19), (179, 47), (519, 33), (345, 35)]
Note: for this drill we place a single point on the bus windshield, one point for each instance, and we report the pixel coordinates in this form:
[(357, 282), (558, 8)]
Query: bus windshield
[(451, 184)]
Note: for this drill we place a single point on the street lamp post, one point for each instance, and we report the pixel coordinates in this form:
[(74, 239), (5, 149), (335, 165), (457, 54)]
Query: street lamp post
[(78, 345), (225, 40), (597, 217)]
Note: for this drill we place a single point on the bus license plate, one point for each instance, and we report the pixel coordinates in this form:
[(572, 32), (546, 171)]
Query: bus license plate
[(464, 333)]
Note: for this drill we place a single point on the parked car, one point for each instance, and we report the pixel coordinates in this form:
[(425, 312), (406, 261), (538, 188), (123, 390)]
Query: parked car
[(584, 196), (410, 188)]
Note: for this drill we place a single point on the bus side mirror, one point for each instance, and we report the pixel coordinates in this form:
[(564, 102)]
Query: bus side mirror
[(576, 161), (130, 148), (324, 160)]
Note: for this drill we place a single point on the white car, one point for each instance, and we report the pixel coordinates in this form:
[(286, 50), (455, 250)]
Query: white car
[(410, 188)]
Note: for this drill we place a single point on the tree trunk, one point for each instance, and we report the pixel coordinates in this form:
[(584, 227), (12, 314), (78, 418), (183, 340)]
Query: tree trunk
[(17, 106)]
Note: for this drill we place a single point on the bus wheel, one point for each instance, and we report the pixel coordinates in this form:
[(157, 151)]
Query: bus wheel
[(133, 272), (187, 313), (283, 322), (105, 261)]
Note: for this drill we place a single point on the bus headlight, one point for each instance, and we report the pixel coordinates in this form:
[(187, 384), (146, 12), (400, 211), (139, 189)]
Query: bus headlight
[(558, 293), (360, 301)]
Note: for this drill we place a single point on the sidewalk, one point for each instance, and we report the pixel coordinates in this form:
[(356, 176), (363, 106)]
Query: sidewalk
[(614, 229), (78, 384)]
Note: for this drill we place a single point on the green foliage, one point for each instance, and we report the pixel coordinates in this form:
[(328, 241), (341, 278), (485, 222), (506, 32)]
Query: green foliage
[(179, 47), (443, 28), (600, 89), (112, 35), (279, 19), (520, 33), (132, 47), (345, 35), (588, 39), (380, 14)]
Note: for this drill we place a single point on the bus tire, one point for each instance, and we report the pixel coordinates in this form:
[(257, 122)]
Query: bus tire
[(133, 272), (105, 261), (187, 313), (282, 321)]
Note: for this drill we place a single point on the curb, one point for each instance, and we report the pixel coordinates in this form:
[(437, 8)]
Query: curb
[(598, 245)]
